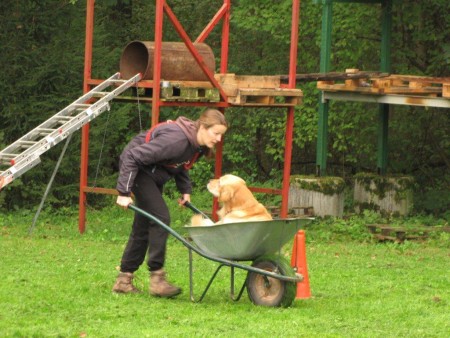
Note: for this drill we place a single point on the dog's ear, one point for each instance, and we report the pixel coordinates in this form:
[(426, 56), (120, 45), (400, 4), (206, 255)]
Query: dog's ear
[(226, 193)]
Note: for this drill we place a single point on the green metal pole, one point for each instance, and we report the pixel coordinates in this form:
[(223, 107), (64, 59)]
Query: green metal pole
[(325, 57), (383, 112)]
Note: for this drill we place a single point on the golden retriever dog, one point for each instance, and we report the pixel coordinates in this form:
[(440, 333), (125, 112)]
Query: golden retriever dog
[(238, 202)]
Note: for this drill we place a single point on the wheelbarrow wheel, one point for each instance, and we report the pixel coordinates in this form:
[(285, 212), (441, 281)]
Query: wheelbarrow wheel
[(268, 291)]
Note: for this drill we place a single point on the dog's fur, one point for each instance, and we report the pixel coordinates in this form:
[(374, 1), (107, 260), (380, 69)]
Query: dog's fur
[(238, 202)]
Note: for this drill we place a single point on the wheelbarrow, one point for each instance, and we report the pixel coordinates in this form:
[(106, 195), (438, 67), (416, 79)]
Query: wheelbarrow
[(270, 281)]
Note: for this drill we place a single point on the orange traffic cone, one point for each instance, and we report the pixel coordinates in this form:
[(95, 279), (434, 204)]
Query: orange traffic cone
[(298, 262)]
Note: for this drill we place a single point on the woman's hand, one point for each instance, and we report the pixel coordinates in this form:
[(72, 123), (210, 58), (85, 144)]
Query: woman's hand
[(124, 201), (184, 198)]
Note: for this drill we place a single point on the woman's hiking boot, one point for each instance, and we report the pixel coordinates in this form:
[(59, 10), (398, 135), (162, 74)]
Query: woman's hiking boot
[(159, 285), (124, 283)]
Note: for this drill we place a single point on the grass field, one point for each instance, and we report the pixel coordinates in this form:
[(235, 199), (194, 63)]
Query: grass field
[(57, 283)]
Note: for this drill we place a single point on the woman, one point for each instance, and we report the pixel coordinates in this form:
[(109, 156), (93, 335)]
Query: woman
[(167, 151)]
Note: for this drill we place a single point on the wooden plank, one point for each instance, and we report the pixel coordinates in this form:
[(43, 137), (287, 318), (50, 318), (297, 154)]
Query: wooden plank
[(414, 78), (412, 90), (239, 101), (173, 92), (382, 89), (190, 84), (231, 83), (342, 87), (418, 84), (397, 82), (385, 232), (270, 92), (264, 81), (280, 97), (228, 83), (372, 228), (353, 82), (417, 229), (305, 211), (406, 85), (249, 81), (320, 84), (446, 90), (381, 83), (333, 76)]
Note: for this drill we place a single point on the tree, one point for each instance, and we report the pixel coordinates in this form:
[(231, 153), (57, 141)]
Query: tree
[(43, 50)]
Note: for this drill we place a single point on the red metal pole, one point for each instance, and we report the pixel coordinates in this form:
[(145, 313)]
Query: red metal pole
[(85, 130), (291, 110), (214, 21), (159, 16), (223, 69), (225, 37), (294, 43), (182, 33)]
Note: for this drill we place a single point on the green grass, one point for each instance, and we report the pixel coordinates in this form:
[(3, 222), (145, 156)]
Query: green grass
[(57, 283)]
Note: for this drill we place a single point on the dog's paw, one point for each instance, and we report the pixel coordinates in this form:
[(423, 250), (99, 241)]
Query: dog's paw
[(198, 220)]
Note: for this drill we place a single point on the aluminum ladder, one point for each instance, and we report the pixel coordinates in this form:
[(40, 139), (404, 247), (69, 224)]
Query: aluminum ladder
[(24, 154)]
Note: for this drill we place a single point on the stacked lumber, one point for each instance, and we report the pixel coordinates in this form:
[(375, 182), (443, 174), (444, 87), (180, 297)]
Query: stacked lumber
[(253, 90), (241, 90), (385, 232), (185, 92), (392, 84)]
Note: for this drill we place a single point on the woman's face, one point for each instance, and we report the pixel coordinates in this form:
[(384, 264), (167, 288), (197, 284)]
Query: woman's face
[(210, 136)]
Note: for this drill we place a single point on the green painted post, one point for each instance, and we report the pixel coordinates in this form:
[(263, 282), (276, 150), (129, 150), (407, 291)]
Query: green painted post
[(383, 112), (325, 57)]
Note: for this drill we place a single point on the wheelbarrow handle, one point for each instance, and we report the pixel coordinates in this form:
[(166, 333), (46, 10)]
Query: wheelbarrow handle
[(196, 210)]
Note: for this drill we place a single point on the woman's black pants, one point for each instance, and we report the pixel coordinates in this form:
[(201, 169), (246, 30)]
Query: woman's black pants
[(147, 236)]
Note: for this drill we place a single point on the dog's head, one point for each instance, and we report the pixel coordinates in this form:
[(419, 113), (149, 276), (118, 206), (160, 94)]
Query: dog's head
[(238, 202), (225, 187)]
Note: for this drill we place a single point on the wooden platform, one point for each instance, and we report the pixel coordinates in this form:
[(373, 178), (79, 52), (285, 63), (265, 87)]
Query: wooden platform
[(385, 232), (279, 97), (183, 93), (392, 84), (302, 211), (253, 90), (296, 212), (241, 90)]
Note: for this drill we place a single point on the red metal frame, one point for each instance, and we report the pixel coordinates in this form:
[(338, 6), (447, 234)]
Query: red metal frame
[(223, 14), (85, 128)]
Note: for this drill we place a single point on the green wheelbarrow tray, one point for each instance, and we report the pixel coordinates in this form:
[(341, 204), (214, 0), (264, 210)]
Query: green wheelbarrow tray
[(245, 241), (270, 281)]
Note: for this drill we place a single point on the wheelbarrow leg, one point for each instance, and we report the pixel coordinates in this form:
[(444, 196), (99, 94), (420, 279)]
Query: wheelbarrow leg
[(232, 282), (232, 286), (191, 280)]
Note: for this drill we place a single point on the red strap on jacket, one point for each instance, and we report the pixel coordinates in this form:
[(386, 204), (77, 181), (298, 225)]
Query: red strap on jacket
[(187, 165), (190, 164), (152, 129)]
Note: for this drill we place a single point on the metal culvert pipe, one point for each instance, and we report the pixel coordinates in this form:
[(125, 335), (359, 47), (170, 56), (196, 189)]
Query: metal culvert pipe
[(177, 63)]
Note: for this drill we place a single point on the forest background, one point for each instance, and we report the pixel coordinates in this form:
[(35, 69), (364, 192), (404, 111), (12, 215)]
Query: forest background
[(42, 57)]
